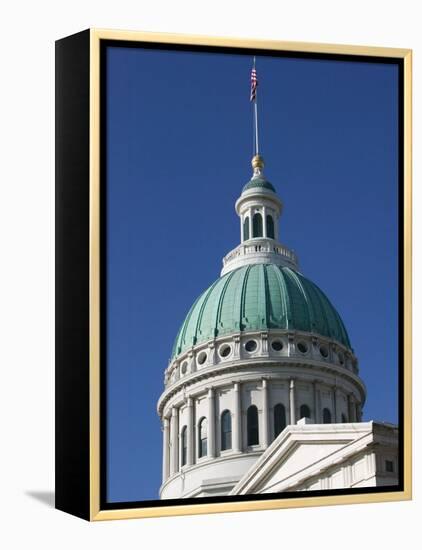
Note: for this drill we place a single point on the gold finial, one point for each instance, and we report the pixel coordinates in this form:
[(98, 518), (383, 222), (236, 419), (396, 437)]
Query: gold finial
[(257, 162)]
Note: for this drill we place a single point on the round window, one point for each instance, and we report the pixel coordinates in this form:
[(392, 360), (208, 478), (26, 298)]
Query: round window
[(184, 367), (250, 346), (302, 347), (277, 345), (323, 350), (225, 350), (202, 358)]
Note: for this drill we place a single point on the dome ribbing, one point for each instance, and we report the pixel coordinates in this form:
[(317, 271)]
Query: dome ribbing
[(260, 297), (259, 181)]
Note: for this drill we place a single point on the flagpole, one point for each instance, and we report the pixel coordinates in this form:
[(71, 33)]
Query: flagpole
[(256, 114), (256, 129)]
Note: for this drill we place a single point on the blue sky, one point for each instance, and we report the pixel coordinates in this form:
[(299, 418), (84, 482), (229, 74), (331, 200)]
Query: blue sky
[(179, 143)]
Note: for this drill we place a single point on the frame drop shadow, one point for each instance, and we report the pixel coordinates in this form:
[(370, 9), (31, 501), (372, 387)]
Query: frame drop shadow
[(45, 497)]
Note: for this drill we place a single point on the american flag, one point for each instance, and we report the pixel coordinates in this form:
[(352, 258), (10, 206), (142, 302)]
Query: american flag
[(254, 84)]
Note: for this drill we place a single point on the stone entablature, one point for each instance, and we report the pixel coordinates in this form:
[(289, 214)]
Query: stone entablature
[(302, 346)]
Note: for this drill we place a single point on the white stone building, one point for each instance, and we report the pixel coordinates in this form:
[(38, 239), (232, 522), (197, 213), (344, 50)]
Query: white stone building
[(262, 393)]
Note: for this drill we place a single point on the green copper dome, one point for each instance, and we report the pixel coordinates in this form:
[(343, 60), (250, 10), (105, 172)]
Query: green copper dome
[(260, 297), (259, 181)]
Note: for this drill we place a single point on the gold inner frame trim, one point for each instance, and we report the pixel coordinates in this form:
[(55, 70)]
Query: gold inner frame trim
[(96, 35)]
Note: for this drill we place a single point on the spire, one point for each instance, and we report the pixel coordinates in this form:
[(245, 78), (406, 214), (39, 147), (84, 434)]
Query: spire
[(259, 209)]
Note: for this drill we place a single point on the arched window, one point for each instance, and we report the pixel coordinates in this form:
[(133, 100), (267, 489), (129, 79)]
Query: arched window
[(257, 225), (343, 418), (203, 438), (305, 411), (226, 430), (326, 416), (184, 445), (279, 419), (270, 227), (252, 425), (246, 229)]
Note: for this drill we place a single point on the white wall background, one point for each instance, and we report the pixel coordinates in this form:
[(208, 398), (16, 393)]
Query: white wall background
[(28, 31)]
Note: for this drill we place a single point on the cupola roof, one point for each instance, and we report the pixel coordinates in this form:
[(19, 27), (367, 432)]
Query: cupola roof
[(259, 181)]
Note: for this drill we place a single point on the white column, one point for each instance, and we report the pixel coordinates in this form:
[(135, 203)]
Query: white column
[(242, 220), (292, 402), (174, 441), (371, 465), (352, 410), (191, 428), (334, 390), (166, 449), (347, 475), (237, 424), (265, 414), (211, 423), (336, 404), (264, 221), (315, 399)]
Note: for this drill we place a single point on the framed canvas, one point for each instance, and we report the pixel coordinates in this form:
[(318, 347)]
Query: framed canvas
[(279, 376)]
